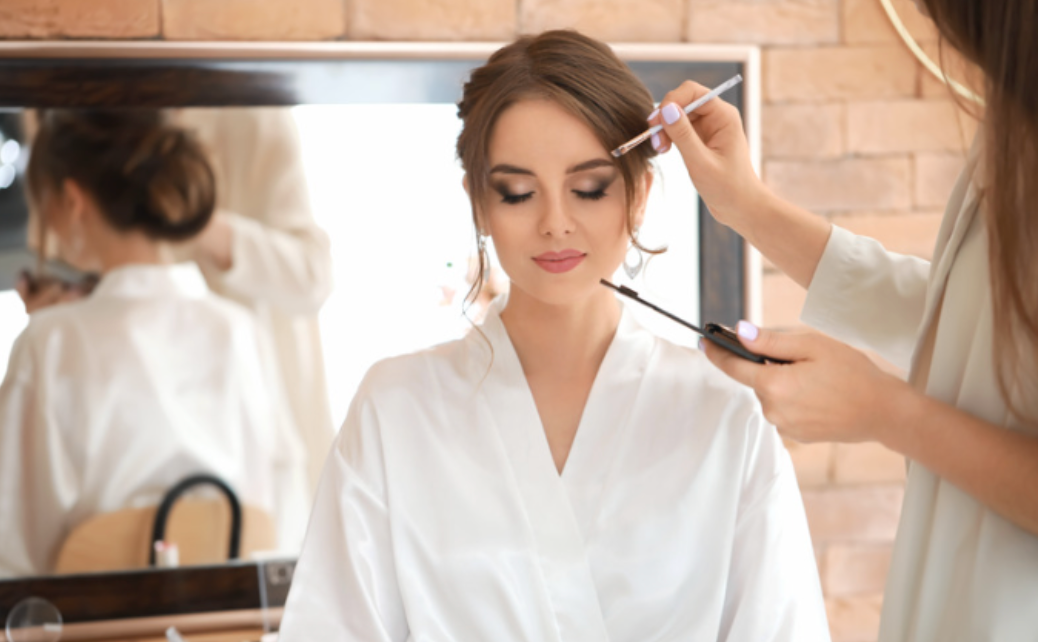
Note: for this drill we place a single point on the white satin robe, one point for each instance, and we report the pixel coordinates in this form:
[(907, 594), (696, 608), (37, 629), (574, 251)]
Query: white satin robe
[(441, 517), (110, 401)]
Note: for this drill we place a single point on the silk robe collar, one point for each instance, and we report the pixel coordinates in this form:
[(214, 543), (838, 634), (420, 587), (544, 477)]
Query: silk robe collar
[(137, 281)]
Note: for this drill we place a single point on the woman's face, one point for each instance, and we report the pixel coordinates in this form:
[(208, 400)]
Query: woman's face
[(555, 208)]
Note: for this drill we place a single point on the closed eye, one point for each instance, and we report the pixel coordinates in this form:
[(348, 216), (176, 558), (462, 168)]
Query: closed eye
[(515, 199), (596, 195)]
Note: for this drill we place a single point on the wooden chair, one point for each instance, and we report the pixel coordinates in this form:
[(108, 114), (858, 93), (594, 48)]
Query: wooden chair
[(122, 540)]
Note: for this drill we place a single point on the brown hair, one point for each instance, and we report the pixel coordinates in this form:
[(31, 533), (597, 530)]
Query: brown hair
[(581, 75), (144, 173), (1001, 38)]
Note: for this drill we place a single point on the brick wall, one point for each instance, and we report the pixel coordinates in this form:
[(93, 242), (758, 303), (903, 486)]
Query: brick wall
[(853, 129)]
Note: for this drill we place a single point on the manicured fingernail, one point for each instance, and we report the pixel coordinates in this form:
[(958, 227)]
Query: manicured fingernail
[(702, 343), (671, 113), (654, 113), (747, 330), (656, 142)]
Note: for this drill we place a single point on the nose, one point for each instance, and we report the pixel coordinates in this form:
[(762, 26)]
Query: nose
[(555, 221)]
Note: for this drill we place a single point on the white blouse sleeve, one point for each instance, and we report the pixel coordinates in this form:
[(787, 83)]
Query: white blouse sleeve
[(773, 592), (286, 262), (868, 297), (37, 481), (279, 254), (345, 583)]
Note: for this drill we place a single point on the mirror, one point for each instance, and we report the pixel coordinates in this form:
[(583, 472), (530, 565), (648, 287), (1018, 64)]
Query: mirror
[(370, 160)]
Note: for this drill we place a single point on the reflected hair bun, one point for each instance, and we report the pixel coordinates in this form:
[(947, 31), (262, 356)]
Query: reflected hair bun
[(144, 173)]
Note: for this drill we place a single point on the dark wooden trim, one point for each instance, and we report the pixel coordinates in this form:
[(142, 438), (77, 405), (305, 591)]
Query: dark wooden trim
[(154, 83), (722, 271), (152, 592)]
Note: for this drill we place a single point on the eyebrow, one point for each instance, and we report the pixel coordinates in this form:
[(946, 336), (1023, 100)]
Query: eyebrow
[(594, 163)]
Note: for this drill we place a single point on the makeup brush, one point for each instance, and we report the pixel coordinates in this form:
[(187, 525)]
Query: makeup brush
[(644, 136)]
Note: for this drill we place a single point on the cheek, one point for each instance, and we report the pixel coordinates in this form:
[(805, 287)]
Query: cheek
[(510, 234), (609, 225), (606, 234), (618, 250), (503, 225)]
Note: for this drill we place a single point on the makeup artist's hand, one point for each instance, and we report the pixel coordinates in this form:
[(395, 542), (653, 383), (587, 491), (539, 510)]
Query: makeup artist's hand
[(46, 293), (215, 245), (714, 148), (831, 392)]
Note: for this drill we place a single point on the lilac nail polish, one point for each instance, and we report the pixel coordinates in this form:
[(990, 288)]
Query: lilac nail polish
[(747, 330), (671, 113), (654, 113), (656, 142), (702, 343)]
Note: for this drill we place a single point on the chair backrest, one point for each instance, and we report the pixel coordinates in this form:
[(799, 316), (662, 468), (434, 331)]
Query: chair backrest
[(121, 540)]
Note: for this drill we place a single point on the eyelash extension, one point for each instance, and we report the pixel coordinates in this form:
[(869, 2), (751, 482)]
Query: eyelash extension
[(515, 199), (596, 195)]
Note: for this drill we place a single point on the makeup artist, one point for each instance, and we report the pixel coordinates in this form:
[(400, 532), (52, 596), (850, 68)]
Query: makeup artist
[(965, 564)]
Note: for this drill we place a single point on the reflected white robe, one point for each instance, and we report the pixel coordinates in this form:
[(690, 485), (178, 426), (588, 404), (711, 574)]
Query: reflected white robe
[(440, 514), (282, 264), (110, 401)]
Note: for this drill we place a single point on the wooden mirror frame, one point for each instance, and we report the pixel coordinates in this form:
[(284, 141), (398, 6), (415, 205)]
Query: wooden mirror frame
[(123, 604)]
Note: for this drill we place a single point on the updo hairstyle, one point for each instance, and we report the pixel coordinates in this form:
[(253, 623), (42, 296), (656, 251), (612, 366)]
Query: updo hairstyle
[(581, 75), (144, 173)]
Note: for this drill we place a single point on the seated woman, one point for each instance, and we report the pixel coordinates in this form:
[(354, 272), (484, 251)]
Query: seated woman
[(111, 400), (561, 473)]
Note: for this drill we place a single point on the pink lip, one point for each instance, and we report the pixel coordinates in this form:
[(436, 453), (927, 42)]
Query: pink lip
[(559, 262)]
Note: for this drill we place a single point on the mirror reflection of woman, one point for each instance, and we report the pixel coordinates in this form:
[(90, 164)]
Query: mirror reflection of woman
[(560, 473), (261, 249), (112, 399)]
